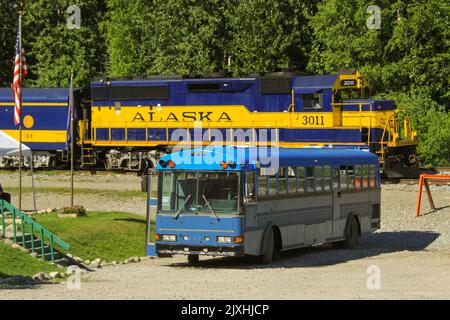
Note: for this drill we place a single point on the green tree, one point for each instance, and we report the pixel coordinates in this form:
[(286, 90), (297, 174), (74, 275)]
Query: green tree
[(55, 50), (407, 51), (270, 35), (432, 123), (8, 31), (419, 49), (342, 39), (165, 36)]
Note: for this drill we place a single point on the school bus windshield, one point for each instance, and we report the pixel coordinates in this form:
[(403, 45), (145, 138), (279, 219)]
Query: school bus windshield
[(198, 192)]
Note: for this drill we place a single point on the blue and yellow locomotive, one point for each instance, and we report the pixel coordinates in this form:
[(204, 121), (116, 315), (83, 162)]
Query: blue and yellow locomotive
[(130, 124), (133, 122)]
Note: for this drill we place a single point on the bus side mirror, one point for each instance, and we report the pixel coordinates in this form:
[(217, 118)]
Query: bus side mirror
[(144, 183)]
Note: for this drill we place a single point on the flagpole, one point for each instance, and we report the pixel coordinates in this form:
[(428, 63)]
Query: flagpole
[(71, 139), (20, 107)]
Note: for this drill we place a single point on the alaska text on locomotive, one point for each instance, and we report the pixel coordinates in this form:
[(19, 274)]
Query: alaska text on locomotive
[(266, 142)]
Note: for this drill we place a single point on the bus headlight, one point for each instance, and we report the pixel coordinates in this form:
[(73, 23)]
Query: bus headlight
[(222, 239), (225, 239), (168, 237)]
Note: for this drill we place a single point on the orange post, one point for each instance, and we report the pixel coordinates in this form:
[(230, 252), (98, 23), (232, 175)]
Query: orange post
[(423, 180), (419, 196)]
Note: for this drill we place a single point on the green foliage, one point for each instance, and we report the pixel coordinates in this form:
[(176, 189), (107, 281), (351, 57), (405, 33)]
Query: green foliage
[(105, 235), (54, 50), (80, 211), (165, 36), (270, 35), (8, 30), (342, 40), (432, 123), (408, 51), (420, 48), (197, 37)]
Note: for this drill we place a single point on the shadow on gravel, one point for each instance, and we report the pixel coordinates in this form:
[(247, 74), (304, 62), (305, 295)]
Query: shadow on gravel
[(433, 211), (370, 246)]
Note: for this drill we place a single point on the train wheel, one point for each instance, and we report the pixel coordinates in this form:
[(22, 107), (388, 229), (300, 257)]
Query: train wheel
[(193, 258), (351, 236)]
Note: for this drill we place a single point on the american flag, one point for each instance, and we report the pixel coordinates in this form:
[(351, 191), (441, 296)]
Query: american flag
[(17, 85)]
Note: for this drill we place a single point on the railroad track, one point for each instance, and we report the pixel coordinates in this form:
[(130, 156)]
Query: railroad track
[(100, 172), (430, 170), (104, 172)]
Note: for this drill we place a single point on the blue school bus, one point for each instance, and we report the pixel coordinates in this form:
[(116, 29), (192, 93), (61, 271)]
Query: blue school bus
[(236, 201)]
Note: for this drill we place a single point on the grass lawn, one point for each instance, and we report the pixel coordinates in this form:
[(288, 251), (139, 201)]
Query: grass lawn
[(106, 235), (14, 262)]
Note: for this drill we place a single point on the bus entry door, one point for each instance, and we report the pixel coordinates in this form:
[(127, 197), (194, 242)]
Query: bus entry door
[(152, 195), (337, 214)]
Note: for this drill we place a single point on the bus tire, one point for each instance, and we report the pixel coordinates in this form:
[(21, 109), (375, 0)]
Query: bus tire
[(268, 247), (277, 244), (193, 258), (351, 235)]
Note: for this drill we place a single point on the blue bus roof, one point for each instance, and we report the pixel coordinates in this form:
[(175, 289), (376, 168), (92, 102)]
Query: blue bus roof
[(36, 95), (247, 158)]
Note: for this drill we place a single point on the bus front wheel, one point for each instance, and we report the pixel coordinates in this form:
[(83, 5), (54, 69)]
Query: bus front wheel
[(193, 258)]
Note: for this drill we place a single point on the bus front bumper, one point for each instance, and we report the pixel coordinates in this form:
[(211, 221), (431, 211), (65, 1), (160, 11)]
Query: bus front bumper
[(235, 251)]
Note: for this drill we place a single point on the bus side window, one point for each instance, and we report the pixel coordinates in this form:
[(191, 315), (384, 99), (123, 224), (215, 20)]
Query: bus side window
[(262, 188), (351, 177), (273, 185), (319, 179), (343, 176), (373, 176), (336, 179), (358, 177), (310, 179), (366, 176), (327, 178), (292, 178), (282, 180), (250, 181), (301, 183), (167, 200)]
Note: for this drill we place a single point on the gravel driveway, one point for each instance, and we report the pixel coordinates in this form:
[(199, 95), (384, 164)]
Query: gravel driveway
[(412, 254)]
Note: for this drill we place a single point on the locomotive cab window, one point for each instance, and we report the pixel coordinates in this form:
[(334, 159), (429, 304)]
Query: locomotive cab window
[(351, 93), (312, 101)]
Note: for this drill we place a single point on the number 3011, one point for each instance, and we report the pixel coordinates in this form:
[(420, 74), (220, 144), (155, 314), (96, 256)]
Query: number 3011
[(313, 121)]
